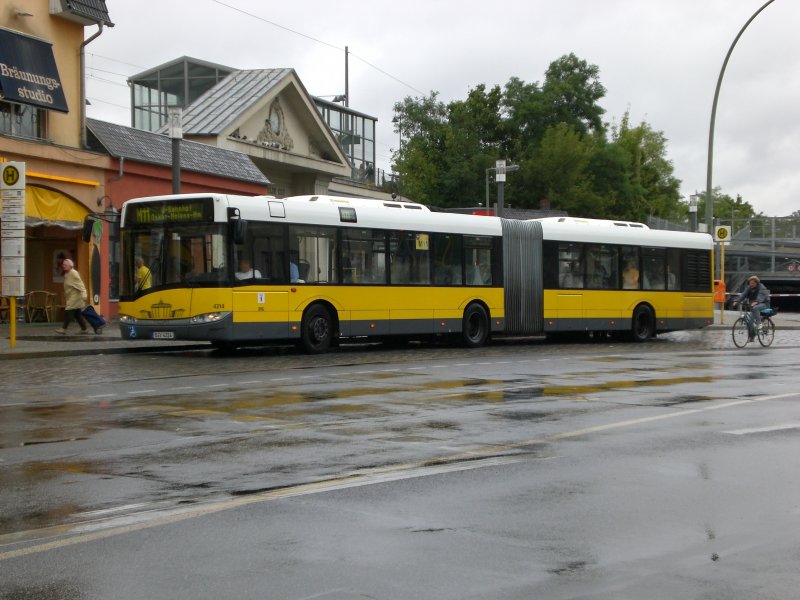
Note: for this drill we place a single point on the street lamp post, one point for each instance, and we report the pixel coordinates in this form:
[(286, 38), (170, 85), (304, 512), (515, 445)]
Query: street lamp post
[(399, 120), (709, 202), (489, 170), (176, 133), (693, 200), (501, 168)]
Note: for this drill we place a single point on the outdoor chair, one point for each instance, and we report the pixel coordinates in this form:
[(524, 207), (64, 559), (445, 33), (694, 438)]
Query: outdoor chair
[(4, 309), (40, 305)]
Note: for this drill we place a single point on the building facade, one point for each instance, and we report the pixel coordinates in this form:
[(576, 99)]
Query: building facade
[(74, 171), (250, 110)]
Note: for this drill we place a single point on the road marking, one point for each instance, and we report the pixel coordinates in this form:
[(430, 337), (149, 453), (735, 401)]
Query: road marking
[(785, 427), (135, 392), (477, 458), (144, 519), (96, 396)]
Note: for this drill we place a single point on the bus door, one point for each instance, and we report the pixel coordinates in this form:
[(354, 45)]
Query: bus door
[(265, 312)]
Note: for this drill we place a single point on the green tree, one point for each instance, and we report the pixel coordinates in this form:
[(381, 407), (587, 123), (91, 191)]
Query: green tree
[(652, 189), (421, 124), (558, 172), (726, 207), (572, 90), (447, 149), (554, 131)]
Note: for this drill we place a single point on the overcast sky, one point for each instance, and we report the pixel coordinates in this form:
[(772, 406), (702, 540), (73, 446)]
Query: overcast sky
[(660, 59)]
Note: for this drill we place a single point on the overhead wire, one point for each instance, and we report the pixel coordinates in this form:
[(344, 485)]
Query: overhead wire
[(313, 39)]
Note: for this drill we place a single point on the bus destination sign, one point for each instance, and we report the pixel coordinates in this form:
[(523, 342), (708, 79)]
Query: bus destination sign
[(159, 213)]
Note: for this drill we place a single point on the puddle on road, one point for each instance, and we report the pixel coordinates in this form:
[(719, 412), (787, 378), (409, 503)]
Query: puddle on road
[(39, 510)]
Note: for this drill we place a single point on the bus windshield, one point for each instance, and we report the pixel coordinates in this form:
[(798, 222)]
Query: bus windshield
[(163, 256)]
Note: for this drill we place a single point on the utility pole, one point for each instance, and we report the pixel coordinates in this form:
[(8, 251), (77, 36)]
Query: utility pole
[(501, 168), (176, 134)]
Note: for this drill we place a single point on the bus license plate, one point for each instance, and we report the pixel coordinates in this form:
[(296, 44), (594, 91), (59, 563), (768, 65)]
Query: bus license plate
[(163, 335)]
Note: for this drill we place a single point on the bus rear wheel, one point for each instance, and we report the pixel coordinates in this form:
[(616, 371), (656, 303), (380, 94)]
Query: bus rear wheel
[(475, 327), (316, 331), (643, 324)]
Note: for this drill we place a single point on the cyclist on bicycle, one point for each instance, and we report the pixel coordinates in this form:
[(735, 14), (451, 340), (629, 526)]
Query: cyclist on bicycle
[(756, 295)]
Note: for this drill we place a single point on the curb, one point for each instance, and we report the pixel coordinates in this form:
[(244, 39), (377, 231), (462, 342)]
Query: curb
[(20, 354)]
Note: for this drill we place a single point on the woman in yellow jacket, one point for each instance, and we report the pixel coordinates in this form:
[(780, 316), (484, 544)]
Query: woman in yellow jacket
[(75, 298)]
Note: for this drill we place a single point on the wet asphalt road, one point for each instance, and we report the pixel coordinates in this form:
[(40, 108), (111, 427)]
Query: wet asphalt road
[(666, 469)]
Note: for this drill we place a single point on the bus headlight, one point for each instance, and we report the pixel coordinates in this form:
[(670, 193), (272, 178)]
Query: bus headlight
[(127, 319), (207, 318)]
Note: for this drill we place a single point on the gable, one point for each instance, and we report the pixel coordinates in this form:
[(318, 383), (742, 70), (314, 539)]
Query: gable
[(267, 114)]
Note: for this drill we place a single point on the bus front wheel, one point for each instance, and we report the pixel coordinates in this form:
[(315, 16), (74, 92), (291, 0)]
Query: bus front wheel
[(643, 324), (317, 330), (475, 329)]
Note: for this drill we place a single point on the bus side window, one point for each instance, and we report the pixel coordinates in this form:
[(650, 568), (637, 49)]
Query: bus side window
[(654, 275), (630, 268), (673, 269), (570, 265)]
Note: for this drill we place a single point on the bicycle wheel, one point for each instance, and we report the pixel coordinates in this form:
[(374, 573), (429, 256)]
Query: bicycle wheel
[(766, 333), (740, 333)]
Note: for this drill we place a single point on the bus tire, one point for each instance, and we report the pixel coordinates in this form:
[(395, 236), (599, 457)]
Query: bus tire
[(224, 347), (317, 330), (642, 324), (475, 327)]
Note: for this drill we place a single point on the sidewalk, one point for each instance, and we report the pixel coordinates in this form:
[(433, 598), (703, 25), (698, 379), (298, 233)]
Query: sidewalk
[(783, 320), (40, 340)]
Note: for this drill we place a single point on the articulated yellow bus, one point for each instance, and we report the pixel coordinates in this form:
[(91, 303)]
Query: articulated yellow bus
[(236, 271)]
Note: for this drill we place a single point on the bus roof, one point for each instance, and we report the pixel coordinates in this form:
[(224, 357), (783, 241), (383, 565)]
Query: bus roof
[(396, 214), (601, 231), (325, 210)]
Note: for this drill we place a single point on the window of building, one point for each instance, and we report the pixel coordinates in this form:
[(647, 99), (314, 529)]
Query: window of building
[(19, 120)]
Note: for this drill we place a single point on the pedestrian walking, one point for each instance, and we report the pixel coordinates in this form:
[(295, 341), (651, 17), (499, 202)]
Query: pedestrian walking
[(75, 298)]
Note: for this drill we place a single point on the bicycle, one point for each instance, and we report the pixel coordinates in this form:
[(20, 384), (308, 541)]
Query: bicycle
[(765, 332)]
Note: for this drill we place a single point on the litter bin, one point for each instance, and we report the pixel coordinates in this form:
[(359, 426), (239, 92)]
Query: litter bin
[(719, 291)]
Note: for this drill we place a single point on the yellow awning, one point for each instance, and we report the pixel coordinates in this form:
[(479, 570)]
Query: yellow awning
[(50, 207)]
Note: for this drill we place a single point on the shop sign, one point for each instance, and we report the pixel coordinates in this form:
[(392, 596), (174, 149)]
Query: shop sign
[(28, 72)]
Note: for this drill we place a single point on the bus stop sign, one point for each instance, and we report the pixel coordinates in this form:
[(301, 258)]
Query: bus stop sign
[(722, 233)]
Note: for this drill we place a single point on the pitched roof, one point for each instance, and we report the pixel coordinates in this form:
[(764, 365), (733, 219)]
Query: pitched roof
[(94, 10), (154, 148), (220, 106)]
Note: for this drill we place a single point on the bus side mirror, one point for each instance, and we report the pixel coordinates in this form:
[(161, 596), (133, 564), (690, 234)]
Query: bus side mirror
[(88, 225), (238, 230)]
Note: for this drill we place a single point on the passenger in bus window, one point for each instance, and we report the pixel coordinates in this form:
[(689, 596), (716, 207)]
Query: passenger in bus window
[(143, 277), (630, 276), (572, 278), (246, 270), (670, 279)]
